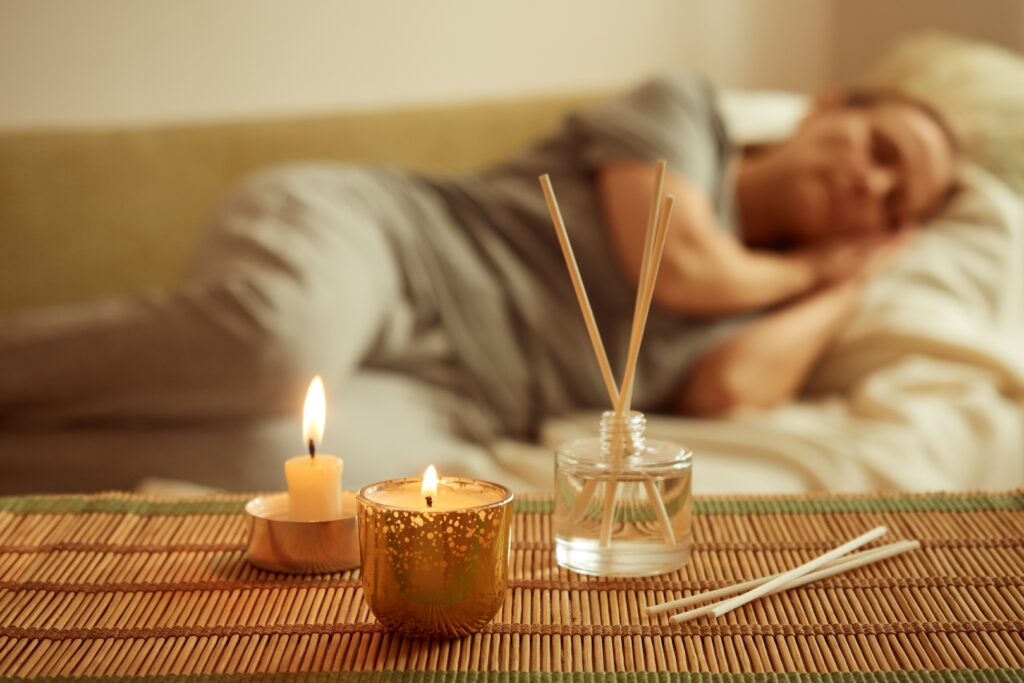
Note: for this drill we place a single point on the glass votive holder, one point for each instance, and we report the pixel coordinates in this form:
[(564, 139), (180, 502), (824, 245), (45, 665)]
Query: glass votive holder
[(438, 572), (623, 502)]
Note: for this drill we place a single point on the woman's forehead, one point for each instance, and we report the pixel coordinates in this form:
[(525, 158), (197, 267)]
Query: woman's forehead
[(926, 154)]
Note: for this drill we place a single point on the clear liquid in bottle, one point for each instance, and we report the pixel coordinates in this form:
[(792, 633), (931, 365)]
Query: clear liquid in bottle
[(622, 502)]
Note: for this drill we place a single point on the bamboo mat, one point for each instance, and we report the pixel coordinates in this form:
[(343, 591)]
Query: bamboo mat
[(115, 585)]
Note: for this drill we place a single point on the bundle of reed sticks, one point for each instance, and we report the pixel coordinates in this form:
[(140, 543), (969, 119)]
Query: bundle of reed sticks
[(835, 561), (620, 395)]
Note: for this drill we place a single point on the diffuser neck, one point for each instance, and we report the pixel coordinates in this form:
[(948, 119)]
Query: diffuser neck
[(622, 436)]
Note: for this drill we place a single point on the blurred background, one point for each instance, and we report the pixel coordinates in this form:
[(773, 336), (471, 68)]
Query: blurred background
[(125, 123), (103, 62)]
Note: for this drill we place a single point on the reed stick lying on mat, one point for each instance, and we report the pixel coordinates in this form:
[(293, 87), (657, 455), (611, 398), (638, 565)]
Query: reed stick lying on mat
[(654, 245), (797, 572), (825, 565), (867, 557)]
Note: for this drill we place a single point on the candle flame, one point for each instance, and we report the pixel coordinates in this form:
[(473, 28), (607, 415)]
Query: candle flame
[(315, 413), (429, 487)]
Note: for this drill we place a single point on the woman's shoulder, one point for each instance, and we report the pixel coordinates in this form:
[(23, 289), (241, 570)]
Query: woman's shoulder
[(687, 92), (680, 85), (666, 104), (672, 117)]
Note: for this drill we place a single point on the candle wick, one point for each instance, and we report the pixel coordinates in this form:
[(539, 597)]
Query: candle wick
[(430, 501), (312, 448)]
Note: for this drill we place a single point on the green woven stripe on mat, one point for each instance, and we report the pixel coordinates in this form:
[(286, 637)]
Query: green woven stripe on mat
[(80, 504), (774, 506), (944, 676), (977, 502)]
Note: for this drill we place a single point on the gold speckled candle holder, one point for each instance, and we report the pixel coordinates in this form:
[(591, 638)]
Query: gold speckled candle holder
[(435, 573)]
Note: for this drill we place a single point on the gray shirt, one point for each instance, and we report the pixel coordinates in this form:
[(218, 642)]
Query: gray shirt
[(531, 340)]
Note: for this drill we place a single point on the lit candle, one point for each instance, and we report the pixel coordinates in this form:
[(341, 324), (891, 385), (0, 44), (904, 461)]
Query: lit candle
[(435, 552), (429, 494), (314, 480)]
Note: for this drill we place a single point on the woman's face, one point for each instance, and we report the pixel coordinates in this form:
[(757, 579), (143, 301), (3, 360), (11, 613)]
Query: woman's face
[(867, 169)]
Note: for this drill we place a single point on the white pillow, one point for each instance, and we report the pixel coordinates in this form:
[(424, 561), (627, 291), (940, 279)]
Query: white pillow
[(957, 293), (760, 116)]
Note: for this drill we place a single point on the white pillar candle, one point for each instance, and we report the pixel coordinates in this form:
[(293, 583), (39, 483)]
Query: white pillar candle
[(314, 487), (314, 480)]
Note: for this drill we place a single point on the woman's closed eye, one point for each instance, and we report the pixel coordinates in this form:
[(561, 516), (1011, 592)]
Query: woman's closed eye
[(884, 150)]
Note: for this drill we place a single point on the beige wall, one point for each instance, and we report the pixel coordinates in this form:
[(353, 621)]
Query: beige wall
[(100, 62), (864, 28), (110, 61)]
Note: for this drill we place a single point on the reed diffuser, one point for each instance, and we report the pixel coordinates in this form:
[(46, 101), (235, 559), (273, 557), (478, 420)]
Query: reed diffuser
[(622, 505)]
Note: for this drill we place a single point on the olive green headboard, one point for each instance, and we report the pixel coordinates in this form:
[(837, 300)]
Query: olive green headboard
[(85, 214)]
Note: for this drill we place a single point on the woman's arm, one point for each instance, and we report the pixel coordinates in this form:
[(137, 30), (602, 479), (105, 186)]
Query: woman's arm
[(768, 361), (706, 272)]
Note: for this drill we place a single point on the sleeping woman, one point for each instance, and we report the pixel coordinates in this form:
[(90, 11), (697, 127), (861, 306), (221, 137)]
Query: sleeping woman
[(457, 284)]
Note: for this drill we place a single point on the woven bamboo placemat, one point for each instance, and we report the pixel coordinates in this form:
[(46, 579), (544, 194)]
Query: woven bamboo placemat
[(117, 585)]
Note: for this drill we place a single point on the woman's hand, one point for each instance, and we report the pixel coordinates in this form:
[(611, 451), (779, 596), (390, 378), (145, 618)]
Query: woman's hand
[(858, 258), (767, 362)]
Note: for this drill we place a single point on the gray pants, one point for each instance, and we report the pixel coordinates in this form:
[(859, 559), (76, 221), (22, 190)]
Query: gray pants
[(297, 277)]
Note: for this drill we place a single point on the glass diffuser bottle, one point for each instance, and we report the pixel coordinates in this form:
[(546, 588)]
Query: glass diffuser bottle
[(622, 501)]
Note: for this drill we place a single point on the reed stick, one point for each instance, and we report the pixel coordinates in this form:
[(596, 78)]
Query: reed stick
[(654, 248), (641, 307), (581, 291), (611, 487), (844, 565), (620, 406), (626, 392), (797, 572), (735, 588), (654, 242), (590, 486), (658, 503)]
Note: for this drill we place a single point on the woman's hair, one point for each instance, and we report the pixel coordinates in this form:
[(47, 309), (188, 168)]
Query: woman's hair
[(978, 87), (873, 97)]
